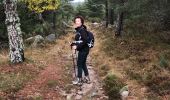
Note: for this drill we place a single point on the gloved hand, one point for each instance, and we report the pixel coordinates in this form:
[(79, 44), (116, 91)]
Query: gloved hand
[(72, 44), (74, 47)]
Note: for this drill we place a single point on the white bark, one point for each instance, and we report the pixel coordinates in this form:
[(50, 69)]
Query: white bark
[(16, 46)]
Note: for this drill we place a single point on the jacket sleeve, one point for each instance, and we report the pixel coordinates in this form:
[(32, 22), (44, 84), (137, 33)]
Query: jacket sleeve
[(83, 34)]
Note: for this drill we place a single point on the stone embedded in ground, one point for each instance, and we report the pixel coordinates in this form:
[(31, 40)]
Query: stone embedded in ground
[(33, 96), (93, 89), (86, 88), (101, 88), (63, 93), (122, 43), (124, 95), (95, 24), (94, 94), (35, 41), (132, 98), (104, 98), (30, 40), (78, 97), (57, 88), (80, 92), (124, 92), (50, 38), (144, 90), (90, 67), (69, 97), (73, 91), (100, 92)]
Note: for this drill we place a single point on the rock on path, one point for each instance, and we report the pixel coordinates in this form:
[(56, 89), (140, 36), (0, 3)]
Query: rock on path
[(92, 91)]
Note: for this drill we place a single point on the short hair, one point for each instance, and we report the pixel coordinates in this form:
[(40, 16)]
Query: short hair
[(81, 18)]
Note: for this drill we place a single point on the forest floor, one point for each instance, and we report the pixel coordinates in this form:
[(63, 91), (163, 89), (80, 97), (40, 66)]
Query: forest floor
[(47, 73), (38, 77), (140, 62)]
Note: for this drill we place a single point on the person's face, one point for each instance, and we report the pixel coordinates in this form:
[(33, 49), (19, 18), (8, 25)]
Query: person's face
[(78, 22)]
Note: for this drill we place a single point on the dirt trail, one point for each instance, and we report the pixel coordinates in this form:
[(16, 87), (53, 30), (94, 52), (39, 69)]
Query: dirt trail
[(91, 91), (54, 82), (59, 69), (38, 87)]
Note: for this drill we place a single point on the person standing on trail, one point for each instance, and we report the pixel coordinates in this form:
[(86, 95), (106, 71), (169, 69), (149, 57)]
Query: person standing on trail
[(80, 45)]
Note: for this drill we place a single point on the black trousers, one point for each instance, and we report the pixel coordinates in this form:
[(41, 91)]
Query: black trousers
[(81, 63)]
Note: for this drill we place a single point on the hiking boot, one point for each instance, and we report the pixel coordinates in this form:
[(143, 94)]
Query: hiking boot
[(78, 81), (87, 80)]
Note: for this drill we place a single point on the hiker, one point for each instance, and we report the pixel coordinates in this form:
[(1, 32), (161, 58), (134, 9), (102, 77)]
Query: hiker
[(82, 47)]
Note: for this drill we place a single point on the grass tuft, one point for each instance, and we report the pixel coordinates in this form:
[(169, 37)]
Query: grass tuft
[(112, 86), (12, 82)]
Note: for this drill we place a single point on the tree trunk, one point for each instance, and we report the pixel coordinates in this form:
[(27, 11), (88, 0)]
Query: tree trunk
[(119, 26), (54, 20), (107, 13), (16, 46), (111, 17)]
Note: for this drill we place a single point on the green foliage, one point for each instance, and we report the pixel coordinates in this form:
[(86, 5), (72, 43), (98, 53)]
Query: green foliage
[(112, 86), (158, 83), (95, 9), (146, 15), (140, 16), (37, 97), (43, 29), (92, 9), (94, 19), (1, 1), (143, 57), (12, 82), (31, 23), (103, 69), (133, 74), (40, 6), (3, 35), (82, 10), (66, 11), (29, 20), (164, 62), (52, 83)]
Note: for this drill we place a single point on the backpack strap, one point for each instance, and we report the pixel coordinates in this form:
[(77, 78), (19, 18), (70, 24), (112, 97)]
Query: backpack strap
[(82, 28)]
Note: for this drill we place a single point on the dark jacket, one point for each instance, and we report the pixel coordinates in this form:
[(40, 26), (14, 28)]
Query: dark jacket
[(81, 35)]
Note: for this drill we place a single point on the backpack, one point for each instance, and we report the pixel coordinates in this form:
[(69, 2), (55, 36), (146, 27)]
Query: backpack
[(90, 39)]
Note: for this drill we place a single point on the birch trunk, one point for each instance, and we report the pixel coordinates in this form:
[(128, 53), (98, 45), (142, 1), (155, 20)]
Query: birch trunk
[(16, 46)]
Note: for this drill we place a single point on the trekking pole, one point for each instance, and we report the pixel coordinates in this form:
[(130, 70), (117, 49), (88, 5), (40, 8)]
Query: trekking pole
[(74, 65)]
